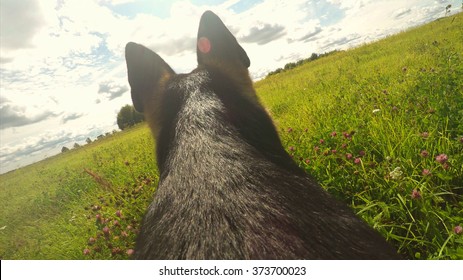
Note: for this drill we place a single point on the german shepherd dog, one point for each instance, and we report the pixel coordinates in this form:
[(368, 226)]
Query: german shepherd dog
[(227, 187)]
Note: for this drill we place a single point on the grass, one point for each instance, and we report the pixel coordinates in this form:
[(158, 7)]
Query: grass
[(379, 126), (51, 209), (371, 124)]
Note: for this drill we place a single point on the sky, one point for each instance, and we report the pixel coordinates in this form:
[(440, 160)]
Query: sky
[(63, 76)]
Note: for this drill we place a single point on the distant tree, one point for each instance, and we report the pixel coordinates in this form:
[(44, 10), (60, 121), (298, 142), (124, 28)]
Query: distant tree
[(128, 116), (76, 145), (290, 65), (101, 136), (447, 9), (313, 57), (88, 140), (65, 149)]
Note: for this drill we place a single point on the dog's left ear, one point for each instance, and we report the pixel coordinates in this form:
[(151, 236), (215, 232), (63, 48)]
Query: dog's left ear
[(147, 73), (216, 44)]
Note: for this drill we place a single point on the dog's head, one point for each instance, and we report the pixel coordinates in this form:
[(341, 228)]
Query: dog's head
[(219, 93)]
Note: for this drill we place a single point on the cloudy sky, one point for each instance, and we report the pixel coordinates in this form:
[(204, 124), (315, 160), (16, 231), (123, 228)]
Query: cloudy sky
[(63, 74)]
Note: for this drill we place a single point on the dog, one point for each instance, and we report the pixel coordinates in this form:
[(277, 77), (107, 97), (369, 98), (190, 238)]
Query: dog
[(227, 187)]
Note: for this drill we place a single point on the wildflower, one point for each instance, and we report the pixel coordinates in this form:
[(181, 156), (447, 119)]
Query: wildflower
[(442, 158), (396, 173), (98, 218), (334, 151), (316, 148), (425, 134), (130, 252), (322, 141), (446, 166), (307, 161), (458, 229), (349, 156), (357, 160), (426, 172), (106, 231), (290, 130), (416, 194), (376, 111), (404, 69), (291, 148), (347, 135), (424, 153), (116, 223), (119, 213), (124, 233), (86, 251), (91, 241), (116, 251), (362, 153), (344, 145), (333, 134), (127, 163)]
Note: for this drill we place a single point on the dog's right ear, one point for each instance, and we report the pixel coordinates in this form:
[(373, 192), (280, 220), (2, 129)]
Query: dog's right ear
[(148, 74), (216, 44)]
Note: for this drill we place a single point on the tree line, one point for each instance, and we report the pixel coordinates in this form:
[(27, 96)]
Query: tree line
[(292, 65)]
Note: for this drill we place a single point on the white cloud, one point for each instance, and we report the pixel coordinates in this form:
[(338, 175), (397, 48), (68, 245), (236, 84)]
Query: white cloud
[(14, 34)]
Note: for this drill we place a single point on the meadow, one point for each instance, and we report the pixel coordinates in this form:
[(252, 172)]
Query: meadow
[(379, 126)]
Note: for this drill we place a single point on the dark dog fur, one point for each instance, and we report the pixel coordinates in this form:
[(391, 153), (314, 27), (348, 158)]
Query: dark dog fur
[(227, 188)]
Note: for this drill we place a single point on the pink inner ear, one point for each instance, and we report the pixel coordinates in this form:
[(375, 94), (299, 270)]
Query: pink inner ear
[(204, 45)]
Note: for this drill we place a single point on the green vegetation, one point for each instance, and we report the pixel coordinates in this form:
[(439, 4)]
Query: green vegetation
[(380, 127), (58, 207), (128, 117)]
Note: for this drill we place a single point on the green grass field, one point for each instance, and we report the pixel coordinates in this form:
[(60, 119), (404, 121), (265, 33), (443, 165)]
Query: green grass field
[(379, 126)]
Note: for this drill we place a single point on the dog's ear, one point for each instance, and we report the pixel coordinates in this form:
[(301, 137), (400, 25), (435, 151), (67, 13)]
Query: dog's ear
[(147, 72), (216, 44)]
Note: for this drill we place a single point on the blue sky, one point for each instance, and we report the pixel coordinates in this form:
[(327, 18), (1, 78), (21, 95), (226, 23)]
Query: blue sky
[(162, 8), (63, 74)]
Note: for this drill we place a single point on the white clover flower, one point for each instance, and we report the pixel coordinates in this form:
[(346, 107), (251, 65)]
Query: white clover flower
[(396, 173)]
